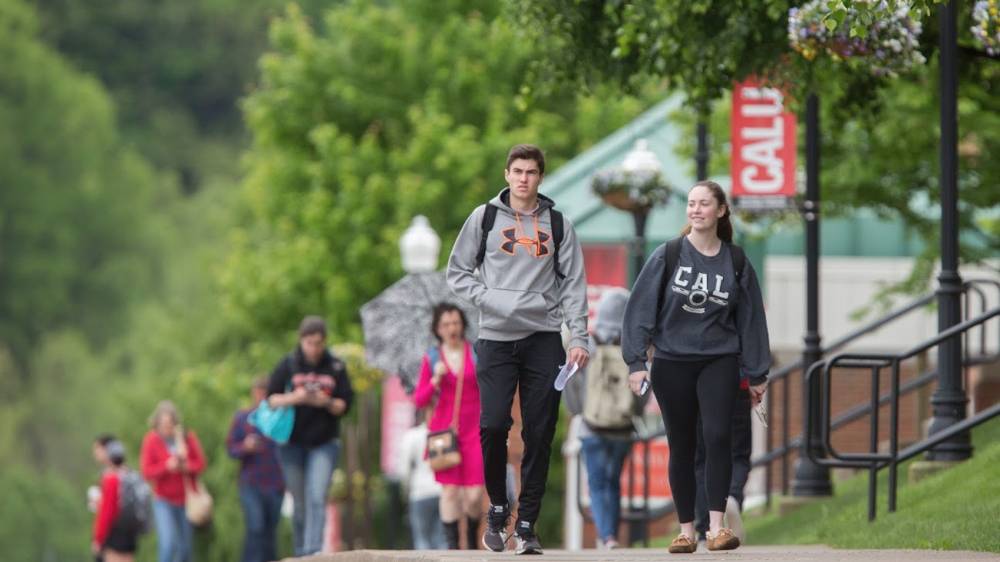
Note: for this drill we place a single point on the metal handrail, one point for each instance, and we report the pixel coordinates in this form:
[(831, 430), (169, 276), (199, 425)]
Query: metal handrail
[(789, 444), (825, 454)]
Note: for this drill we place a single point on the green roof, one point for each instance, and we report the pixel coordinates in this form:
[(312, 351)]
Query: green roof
[(594, 221)]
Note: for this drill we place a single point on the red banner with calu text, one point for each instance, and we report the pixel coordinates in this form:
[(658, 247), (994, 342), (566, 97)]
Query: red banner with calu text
[(763, 148)]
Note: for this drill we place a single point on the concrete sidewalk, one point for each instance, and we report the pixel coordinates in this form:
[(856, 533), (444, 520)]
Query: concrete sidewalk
[(818, 553)]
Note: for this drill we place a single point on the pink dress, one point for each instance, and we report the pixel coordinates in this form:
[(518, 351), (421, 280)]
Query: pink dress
[(470, 471)]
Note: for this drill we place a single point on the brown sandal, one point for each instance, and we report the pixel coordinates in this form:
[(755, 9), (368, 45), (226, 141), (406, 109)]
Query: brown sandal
[(723, 540), (683, 544)]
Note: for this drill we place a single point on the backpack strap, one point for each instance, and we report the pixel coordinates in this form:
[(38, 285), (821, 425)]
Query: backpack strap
[(458, 400), (434, 354), (672, 255), (739, 258), (489, 217), (558, 233)]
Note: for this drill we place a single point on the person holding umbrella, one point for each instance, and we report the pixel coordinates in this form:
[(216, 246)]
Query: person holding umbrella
[(519, 261), (457, 408)]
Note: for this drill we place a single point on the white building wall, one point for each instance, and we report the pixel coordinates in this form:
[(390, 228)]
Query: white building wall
[(847, 285)]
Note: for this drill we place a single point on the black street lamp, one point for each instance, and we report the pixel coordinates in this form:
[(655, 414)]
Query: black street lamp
[(811, 479), (701, 153), (949, 400), (636, 187)]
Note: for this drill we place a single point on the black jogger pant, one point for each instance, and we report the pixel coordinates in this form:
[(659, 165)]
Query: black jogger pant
[(531, 365), (742, 446), (687, 391)]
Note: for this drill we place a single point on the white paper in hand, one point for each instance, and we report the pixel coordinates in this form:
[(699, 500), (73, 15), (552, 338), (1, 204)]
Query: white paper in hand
[(761, 410), (565, 372)]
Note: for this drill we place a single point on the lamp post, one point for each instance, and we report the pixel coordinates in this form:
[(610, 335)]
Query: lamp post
[(949, 400), (419, 247), (640, 162), (812, 479)]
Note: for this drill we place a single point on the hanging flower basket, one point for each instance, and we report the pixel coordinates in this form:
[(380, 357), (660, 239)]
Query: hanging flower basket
[(631, 191), (986, 30), (890, 46)]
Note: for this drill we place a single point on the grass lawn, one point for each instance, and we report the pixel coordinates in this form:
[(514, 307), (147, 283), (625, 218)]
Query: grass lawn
[(957, 509)]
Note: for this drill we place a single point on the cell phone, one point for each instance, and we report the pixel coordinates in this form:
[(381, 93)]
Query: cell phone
[(644, 387)]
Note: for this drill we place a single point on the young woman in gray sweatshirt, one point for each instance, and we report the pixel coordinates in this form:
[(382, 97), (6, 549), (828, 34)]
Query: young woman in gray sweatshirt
[(706, 324)]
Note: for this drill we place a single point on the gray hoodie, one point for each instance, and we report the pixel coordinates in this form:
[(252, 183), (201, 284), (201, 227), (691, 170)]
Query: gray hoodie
[(703, 313), (516, 289)]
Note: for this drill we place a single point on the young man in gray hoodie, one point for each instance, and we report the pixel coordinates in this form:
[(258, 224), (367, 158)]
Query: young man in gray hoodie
[(521, 264)]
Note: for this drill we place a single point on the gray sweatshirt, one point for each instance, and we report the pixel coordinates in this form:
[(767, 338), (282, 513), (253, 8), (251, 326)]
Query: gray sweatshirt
[(704, 313), (516, 289)]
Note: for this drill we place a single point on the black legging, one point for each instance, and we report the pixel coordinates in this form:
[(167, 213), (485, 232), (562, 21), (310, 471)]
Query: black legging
[(686, 390)]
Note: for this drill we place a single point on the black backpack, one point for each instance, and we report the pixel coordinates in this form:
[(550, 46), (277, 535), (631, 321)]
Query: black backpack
[(672, 255), (490, 217), (135, 500)]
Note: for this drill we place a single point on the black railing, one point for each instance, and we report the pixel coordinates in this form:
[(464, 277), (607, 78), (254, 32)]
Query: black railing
[(873, 460), (781, 378), (641, 516)]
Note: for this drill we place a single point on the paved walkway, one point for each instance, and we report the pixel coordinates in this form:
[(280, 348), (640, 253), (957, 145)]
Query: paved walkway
[(818, 553)]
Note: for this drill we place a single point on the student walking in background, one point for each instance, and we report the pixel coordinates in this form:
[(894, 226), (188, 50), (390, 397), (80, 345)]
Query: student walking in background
[(261, 484), (170, 455), (604, 408), (441, 371), (423, 492), (698, 302), (114, 538), (314, 382)]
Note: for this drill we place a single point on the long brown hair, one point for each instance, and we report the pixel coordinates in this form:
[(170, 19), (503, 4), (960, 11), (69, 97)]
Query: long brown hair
[(724, 228)]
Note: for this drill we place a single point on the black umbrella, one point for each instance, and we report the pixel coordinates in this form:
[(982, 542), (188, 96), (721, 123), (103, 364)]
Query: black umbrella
[(397, 323)]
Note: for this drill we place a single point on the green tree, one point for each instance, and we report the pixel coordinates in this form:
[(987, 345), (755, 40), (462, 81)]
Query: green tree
[(879, 134), (176, 70), (352, 137), (76, 241)]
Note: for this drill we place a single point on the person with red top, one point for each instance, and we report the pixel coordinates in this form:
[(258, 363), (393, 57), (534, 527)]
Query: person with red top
[(462, 484), (111, 541), (170, 456)]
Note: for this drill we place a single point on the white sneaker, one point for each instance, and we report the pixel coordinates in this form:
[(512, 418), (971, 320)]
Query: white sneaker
[(734, 520), (609, 544)]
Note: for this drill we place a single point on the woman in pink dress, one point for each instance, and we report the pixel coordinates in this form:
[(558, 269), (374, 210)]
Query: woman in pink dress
[(462, 485)]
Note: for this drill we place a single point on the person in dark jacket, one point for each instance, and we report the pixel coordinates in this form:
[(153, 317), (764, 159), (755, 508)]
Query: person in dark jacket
[(315, 383), (706, 322)]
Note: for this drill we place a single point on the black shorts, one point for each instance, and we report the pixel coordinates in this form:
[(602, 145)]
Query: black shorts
[(121, 540)]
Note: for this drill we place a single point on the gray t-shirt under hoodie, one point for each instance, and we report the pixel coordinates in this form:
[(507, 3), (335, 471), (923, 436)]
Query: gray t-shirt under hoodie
[(704, 312)]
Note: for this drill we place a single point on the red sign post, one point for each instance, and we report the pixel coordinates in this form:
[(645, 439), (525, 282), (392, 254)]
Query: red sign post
[(763, 148)]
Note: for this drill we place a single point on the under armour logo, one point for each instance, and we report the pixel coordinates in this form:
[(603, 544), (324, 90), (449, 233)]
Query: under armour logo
[(511, 242)]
